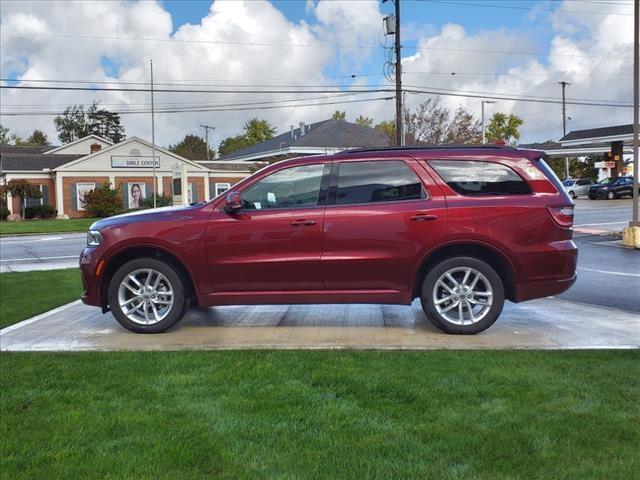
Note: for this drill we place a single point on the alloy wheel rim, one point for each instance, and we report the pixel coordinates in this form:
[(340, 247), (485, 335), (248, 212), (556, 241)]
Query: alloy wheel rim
[(145, 296), (463, 296)]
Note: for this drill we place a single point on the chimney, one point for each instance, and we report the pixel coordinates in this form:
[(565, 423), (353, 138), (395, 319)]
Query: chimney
[(95, 147), (302, 129), (292, 134)]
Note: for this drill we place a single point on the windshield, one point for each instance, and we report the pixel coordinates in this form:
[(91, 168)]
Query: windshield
[(568, 183), (605, 181)]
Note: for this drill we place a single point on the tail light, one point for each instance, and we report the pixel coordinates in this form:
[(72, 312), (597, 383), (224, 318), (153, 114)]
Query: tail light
[(562, 215)]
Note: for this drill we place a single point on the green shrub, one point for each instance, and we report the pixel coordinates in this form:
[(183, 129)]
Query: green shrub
[(103, 201), (4, 212), (161, 201), (39, 211)]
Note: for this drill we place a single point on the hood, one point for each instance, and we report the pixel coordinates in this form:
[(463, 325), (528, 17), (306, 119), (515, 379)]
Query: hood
[(150, 215)]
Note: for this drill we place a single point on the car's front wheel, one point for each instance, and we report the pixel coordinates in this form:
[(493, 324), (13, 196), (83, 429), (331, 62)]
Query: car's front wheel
[(147, 295), (462, 295), (573, 195)]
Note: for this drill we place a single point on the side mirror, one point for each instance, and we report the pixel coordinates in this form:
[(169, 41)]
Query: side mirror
[(234, 202)]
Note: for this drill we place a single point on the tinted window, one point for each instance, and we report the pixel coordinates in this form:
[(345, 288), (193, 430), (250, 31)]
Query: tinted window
[(379, 181), (584, 182), (469, 177), (289, 188)]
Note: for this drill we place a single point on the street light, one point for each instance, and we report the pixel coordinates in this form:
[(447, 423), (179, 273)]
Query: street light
[(483, 129)]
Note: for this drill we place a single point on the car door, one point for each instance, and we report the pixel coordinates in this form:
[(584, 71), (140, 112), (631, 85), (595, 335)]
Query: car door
[(273, 243), (380, 221), (582, 187)]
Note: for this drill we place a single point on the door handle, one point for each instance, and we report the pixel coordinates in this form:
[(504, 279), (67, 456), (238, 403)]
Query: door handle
[(303, 223), (423, 217)]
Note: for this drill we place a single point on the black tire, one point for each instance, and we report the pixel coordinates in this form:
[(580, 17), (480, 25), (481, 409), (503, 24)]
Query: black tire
[(573, 194), (177, 282), (441, 322), (611, 196)]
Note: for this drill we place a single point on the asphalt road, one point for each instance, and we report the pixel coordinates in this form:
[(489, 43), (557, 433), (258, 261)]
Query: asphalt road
[(41, 252), (611, 215), (608, 274)]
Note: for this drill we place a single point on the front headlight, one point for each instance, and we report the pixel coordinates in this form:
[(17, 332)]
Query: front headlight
[(94, 238)]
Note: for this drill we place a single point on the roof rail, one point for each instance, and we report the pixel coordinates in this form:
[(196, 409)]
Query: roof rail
[(432, 147)]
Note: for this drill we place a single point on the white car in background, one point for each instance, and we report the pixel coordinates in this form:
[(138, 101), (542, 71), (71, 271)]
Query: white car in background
[(577, 187)]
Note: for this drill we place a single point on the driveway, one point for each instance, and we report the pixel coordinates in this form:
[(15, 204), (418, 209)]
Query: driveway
[(541, 324)]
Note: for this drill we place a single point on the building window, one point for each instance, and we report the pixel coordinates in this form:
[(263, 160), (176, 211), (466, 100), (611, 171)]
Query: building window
[(221, 187), (32, 202), (81, 190)]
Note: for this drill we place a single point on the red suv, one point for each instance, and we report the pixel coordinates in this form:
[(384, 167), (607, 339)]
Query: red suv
[(461, 228)]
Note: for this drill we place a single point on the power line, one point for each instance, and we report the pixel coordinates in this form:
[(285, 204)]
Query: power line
[(534, 8), (314, 45), (177, 110)]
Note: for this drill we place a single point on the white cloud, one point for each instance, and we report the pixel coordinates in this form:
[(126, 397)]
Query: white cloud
[(592, 51)]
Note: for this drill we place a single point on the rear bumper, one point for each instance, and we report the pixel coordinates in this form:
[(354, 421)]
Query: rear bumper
[(551, 272), (544, 288)]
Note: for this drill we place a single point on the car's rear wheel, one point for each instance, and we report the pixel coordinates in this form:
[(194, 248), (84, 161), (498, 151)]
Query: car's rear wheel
[(147, 295), (462, 295), (611, 195)]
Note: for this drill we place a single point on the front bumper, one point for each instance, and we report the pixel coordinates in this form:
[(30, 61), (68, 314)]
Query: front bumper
[(89, 259)]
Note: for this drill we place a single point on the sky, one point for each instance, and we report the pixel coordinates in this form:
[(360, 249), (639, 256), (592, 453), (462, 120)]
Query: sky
[(315, 54)]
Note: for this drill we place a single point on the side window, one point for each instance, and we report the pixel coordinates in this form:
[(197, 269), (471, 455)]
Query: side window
[(289, 188), (584, 182), (379, 181), (469, 177)]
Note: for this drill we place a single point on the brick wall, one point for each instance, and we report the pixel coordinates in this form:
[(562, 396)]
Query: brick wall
[(198, 182), (68, 193), (15, 201)]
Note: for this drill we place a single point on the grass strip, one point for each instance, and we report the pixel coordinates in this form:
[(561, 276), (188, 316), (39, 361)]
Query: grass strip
[(46, 226)]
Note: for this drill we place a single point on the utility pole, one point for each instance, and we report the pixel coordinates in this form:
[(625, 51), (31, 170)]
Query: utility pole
[(564, 124), (206, 136), (399, 135), (636, 107), (153, 139), (484, 140)]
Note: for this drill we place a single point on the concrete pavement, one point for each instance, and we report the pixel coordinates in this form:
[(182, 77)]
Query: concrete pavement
[(541, 324)]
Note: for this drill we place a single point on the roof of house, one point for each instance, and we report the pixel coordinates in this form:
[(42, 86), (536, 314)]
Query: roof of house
[(325, 134), (8, 149), (600, 132), (226, 166), (32, 161)]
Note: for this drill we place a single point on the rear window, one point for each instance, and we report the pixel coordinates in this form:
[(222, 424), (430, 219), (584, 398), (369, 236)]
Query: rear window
[(471, 177)]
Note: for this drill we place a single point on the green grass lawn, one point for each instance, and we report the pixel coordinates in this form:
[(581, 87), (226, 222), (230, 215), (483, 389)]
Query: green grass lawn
[(310, 414), (25, 294), (46, 226)]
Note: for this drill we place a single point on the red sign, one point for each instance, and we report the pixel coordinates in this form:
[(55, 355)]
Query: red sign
[(609, 164)]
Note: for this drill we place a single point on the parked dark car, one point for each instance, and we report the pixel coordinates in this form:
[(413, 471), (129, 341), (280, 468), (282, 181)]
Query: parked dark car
[(462, 229), (612, 188)]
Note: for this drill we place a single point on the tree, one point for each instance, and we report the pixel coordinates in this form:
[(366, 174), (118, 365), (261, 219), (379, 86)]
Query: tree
[(464, 128), (232, 144), (75, 123), (37, 137), (338, 115), (4, 135), (192, 147), (388, 127), (255, 131), (104, 123), (23, 190), (503, 127), (364, 121), (72, 124), (103, 201)]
